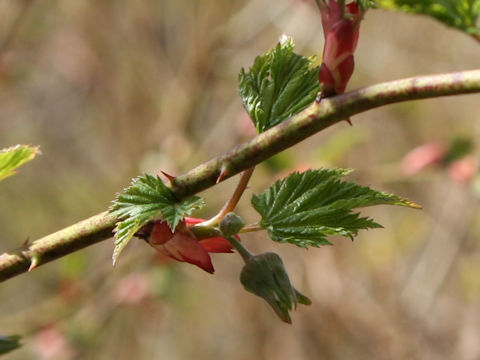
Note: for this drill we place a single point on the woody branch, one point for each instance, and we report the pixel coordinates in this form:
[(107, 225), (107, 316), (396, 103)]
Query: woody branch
[(313, 119)]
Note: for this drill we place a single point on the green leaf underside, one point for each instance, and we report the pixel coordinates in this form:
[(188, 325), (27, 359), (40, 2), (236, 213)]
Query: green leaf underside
[(147, 198), (304, 208), (461, 14), (278, 85), (15, 156), (9, 343)]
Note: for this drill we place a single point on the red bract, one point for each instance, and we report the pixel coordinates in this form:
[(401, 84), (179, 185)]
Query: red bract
[(422, 157), (464, 169), (341, 32), (182, 246)]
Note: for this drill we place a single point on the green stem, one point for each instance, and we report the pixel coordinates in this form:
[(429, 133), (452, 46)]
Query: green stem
[(242, 250), (56, 245), (204, 232), (313, 119)]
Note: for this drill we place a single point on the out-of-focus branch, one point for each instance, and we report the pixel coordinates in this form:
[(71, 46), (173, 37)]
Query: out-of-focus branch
[(13, 30), (313, 119)]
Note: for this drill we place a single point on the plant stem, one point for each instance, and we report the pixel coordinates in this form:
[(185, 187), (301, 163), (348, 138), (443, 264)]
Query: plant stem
[(313, 119), (318, 117), (251, 228), (14, 28), (242, 250), (233, 201), (56, 245)]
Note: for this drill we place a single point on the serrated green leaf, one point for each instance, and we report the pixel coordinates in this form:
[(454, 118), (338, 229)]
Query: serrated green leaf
[(9, 343), (147, 198), (305, 208), (15, 156), (461, 14), (278, 85)]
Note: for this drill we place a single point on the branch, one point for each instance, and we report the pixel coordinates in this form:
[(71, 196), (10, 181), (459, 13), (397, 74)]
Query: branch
[(14, 28), (313, 119), (53, 246)]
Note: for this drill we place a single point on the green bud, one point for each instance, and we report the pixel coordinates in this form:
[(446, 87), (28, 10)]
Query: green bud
[(264, 275), (231, 224)]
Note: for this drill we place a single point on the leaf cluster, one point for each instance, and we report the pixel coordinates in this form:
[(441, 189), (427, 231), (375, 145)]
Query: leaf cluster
[(280, 84), (304, 208), (146, 199)]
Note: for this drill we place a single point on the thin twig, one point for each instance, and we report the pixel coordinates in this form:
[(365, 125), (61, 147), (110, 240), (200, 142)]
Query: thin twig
[(313, 119), (233, 201), (13, 30), (251, 228), (242, 250)]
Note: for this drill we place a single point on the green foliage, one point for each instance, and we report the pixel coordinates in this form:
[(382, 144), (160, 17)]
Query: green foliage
[(461, 14), (304, 208), (278, 85), (15, 156), (9, 343), (147, 198)]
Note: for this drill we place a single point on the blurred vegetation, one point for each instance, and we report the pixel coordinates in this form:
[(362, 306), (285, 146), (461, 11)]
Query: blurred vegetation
[(110, 89)]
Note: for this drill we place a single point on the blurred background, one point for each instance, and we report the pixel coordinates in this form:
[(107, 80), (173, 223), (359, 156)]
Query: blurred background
[(111, 89)]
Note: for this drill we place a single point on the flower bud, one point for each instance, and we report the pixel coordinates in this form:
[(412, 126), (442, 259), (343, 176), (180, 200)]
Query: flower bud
[(264, 275), (231, 224), (341, 31), (181, 244)]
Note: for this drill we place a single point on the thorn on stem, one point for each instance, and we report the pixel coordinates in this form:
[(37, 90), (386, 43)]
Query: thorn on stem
[(168, 176), (34, 262), (349, 121), (223, 174)]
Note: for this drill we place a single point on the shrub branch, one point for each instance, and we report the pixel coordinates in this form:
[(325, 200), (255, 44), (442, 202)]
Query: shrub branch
[(313, 119)]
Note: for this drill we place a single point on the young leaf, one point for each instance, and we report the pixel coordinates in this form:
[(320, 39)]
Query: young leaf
[(304, 208), (15, 156), (145, 199), (461, 14), (278, 85), (9, 343)]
